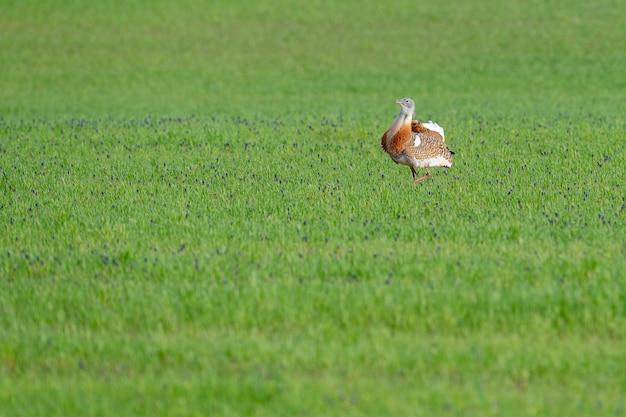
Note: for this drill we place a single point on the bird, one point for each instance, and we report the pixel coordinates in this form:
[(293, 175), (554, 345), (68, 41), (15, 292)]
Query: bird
[(414, 144)]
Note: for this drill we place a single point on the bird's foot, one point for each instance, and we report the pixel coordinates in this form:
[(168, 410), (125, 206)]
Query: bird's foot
[(425, 177)]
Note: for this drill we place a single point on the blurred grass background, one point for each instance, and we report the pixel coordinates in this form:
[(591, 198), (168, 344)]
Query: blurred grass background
[(122, 58)]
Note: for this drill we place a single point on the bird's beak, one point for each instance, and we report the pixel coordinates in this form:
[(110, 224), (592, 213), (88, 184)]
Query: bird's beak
[(398, 101)]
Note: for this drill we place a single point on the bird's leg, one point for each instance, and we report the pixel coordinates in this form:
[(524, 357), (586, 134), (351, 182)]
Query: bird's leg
[(425, 177), (414, 172)]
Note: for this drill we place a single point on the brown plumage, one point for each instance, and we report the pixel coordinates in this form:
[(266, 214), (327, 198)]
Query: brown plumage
[(418, 127), (415, 144)]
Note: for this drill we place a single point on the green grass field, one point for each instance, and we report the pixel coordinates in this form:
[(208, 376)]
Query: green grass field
[(196, 217)]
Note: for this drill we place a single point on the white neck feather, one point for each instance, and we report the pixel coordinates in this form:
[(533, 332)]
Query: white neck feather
[(401, 119)]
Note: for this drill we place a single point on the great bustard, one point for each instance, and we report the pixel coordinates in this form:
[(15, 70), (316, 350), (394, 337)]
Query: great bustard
[(414, 144)]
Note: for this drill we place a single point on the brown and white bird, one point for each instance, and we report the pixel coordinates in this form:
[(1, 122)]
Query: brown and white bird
[(414, 144)]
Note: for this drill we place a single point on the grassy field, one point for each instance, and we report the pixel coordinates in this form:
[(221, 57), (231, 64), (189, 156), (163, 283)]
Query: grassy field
[(196, 217)]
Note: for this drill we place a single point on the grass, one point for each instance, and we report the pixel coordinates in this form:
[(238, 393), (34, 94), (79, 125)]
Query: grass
[(197, 216)]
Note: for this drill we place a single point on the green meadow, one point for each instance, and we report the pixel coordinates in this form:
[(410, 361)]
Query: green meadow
[(196, 216)]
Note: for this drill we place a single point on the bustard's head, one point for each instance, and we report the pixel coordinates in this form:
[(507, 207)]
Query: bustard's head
[(407, 105)]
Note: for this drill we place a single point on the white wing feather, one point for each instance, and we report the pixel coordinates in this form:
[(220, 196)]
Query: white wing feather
[(435, 127)]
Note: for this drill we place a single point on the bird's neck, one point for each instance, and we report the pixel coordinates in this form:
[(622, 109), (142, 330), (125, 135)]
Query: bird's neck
[(402, 119)]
